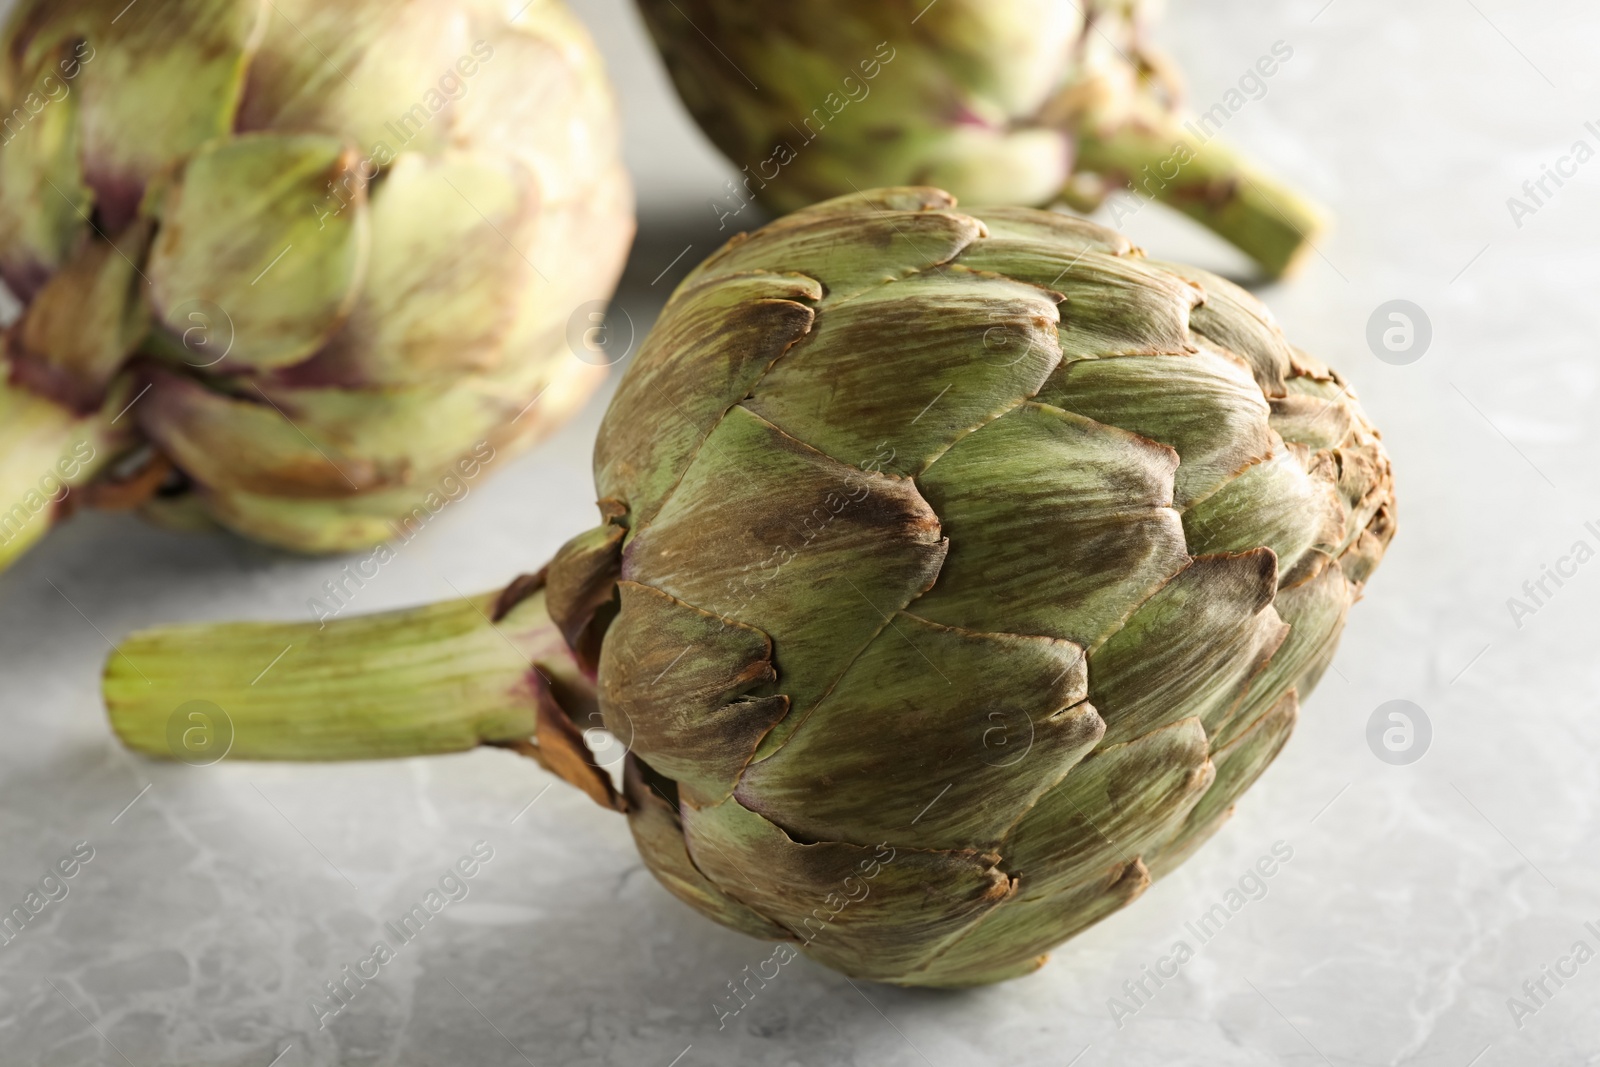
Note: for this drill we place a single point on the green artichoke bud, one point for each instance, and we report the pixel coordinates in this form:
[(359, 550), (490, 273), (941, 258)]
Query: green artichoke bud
[(957, 572), (315, 257), (999, 101)]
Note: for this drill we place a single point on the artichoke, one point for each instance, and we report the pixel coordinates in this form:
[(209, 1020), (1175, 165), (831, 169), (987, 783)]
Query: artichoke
[(956, 573), (287, 265), (999, 101)]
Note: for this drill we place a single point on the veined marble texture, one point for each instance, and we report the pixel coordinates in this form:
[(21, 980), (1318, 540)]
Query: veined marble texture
[(1420, 903)]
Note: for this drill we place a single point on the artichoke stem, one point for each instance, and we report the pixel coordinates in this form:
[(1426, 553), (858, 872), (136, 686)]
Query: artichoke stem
[(1179, 164), (435, 679), (46, 452)]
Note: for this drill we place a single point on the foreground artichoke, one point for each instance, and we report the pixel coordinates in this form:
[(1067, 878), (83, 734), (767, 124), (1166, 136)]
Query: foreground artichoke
[(957, 572), (999, 101), (303, 261)]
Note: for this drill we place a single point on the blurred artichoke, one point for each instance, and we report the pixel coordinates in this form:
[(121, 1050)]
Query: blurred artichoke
[(957, 572), (999, 101), (315, 257)]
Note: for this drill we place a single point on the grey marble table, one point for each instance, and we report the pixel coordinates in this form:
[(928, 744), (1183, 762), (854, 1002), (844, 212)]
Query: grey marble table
[(1417, 899)]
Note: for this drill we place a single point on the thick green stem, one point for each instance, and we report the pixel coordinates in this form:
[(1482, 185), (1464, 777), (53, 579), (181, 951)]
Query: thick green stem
[(46, 451), (435, 679), (1180, 164)]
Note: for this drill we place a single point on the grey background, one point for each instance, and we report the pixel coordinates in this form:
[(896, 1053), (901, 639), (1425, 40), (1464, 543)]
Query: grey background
[(1419, 897)]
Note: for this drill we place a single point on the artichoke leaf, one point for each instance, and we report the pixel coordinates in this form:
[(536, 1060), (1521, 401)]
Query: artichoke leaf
[(1191, 649), (1363, 555), (1012, 940), (1238, 766), (1365, 481), (583, 578), (1121, 802), (867, 385), (1112, 306), (77, 332), (1312, 420), (1203, 405), (995, 720), (874, 911), (155, 82), (1315, 612), (251, 228), (429, 432), (598, 223), (830, 248), (530, 100), (447, 276), (44, 203), (814, 553), (675, 683), (1032, 240), (353, 69), (717, 339), (1274, 503), (658, 833), (904, 198), (1042, 483), (234, 443), (357, 517), (1237, 322)]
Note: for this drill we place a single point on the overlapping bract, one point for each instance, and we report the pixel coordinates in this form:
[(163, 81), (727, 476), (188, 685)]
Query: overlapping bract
[(327, 251), (998, 101), (967, 538)]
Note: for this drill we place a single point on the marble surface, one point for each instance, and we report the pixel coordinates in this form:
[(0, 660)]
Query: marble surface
[(1418, 899)]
